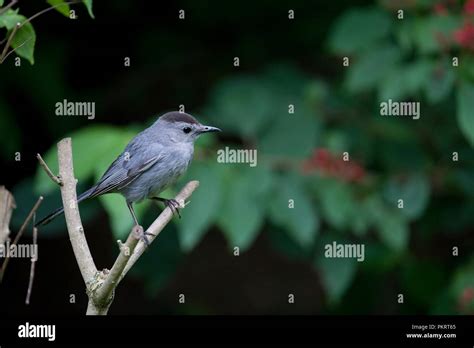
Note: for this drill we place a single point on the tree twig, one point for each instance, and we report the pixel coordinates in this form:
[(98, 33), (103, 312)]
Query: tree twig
[(19, 234), (71, 211), (48, 171), (15, 49), (51, 8), (7, 204), (34, 258), (10, 38)]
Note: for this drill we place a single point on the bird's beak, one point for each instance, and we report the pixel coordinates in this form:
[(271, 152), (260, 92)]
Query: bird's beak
[(208, 129)]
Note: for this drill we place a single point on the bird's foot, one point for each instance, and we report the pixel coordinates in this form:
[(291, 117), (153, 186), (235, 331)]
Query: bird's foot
[(173, 204), (140, 234)]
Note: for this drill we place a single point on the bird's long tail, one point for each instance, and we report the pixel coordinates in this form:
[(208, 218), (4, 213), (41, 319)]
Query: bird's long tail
[(46, 220)]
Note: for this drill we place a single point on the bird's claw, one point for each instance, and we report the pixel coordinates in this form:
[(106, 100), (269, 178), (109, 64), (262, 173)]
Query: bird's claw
[(174, 206), (140, 234)]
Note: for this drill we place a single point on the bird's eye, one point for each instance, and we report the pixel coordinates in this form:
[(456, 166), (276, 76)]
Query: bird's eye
[(187, 130)]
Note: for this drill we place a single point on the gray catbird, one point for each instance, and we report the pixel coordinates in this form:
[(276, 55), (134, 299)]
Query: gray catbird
[(151, 161)]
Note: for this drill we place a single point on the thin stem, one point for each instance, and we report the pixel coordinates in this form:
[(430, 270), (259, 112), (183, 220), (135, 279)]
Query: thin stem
[(15, 49), (10, 38), (34, 258), (48, 171), (51, 8)]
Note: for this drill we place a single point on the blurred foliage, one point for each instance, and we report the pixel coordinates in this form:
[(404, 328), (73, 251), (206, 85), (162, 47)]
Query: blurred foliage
[(23, 40), (302, 194)]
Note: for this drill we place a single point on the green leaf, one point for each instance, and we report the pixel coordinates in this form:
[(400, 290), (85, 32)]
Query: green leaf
[(291, 135), (245, 99), (465, 107), (404, 34), (337, 203), (1, 3), (440, 83), (358, 29), (337, 275), (414, 190), (242, 213), (361, 219), (394, 232), (372, 67), (429, 31), (204, 204), (10, 18), (391, 226), (61, 6), (24, 42), (88, 4), (405, 81), (301, 220)]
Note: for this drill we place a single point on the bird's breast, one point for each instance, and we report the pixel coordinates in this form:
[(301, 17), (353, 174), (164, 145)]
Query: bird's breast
[(169, 170)]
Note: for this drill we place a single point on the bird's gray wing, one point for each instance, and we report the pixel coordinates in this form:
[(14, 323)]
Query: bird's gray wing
[(123, 171)]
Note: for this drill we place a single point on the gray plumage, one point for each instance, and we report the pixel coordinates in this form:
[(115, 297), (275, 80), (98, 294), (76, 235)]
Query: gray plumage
[(153, 160)]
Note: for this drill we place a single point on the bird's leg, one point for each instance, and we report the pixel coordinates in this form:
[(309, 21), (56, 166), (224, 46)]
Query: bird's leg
[(170, 203), (143, 234), (130, 207)]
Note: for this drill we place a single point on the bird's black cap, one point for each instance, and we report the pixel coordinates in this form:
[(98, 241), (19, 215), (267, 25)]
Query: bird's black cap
[(176, 116)]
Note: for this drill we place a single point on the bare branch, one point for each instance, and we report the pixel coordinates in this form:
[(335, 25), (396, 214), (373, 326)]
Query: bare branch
[(71, 211), (48, 171), (19, 234), (7, 204), (34, 258)]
